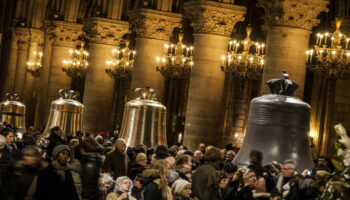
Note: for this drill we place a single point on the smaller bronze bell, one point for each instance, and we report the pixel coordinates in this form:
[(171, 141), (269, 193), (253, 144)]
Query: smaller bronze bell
[(67, 113), (13, 111), (144, 120)]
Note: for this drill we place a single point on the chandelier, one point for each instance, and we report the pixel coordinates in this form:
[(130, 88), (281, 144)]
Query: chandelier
[(245, 59), (330, 57), (122, 63), (176, 61), (77, 63), (34, 66)]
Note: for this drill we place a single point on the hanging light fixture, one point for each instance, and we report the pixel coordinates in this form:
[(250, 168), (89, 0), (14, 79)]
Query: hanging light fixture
[(122, 63), (176, 61), (244, 59), (77, 63), (34, 66), (330, 57)]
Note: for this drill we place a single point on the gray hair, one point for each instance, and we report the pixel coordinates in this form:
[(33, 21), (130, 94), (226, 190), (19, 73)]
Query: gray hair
[(290, 163), (119, 142), (105, 178), (2, 141)]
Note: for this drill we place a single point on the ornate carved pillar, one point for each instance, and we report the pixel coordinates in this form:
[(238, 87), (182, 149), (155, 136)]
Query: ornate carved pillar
[(65, 36), (104, 35), (11, 67), (153, 29), (288, 31), (22, 52), (213, 23)]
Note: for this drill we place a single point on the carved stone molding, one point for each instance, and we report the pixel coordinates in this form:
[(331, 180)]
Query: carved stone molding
[(293, 13), (63, 33), (36, 35), (22, 36), (213, 17), (105, 31), (153, 24)]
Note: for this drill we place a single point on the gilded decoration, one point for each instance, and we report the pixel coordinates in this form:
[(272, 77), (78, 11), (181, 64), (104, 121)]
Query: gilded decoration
[(293, 13), (63, 33), (153, 24), (106, 31), (214, 18)]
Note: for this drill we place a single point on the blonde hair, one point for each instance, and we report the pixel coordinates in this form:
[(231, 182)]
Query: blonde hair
[(162, 167)]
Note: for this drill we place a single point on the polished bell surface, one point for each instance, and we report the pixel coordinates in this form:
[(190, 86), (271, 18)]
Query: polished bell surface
[(144, 120), (13, 111), (278, 125), (67, 113)]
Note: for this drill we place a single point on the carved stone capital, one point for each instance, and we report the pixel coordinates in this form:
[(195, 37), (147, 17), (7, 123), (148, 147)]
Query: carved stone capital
[(153, 24), (213, 17), (22, 36), (36, 35), (63, 33), (293, 13), (105, 31)]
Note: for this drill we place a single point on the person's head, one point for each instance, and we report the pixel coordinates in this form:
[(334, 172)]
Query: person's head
[(141, 159), (79, 135), (161, 152), (28, 139), (185, 170), (73, 143), (159, 169), (138, 181), (182, 188), (105, 181), (61, 153), (31, 156), (57, 130), (182, 147), (197, 155), (140, 148), (37, 135), (218, 180), (9, 134), (123, 184), (249, 178), (120, 144), (3, 142), (322, 160), (255, 157), (214, 155), (99, 139), (230, 169), (149, 153), (184, 160), (171, 162), (288, 168), (230, 155), (201, 147)]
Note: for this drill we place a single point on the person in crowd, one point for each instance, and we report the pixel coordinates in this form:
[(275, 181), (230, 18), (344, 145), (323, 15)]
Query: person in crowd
[(161, 152), (181, 190), (275, 195), (174, 175), (10, 148), (230, 155), (91, 161), (60, 179), (26, 174), (216, 185), (74, 146), (202, 148), (79, 136), (55, 138), (122, 189), (184, 160), (105, 184), (185, 172), (6, 169), (197, 159), (137, 166), (137, 190), (255, 160), (249, 181), (117, 160), (149, 154), (155, 181), (201, 176)]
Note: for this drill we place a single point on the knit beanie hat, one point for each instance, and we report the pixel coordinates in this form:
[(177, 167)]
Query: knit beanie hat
[(58, 149), (179, 185)]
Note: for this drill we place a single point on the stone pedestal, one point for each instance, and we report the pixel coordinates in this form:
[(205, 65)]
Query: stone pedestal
[(213, 23), (104, 36), (153, 29), (288, 31)]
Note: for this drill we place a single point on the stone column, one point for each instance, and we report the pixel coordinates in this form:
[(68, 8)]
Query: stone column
[(65, 36), (22, 44), (104, 35), (289, 24), (213, 23), (11, 67), (42, 106), (153, 29)]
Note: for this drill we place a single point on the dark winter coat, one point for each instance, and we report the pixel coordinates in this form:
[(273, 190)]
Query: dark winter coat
[(137, 193), (134, 169), (6, 173), (54, 141), (51, 186), (152, 189), (200, 179), (246, 193), (212, 194), (116, 163), (90, 145)]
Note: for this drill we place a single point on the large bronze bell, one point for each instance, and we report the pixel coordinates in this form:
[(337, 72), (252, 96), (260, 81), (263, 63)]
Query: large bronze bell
[(278, 125), (13, 111), (144, 120), (67, 113)]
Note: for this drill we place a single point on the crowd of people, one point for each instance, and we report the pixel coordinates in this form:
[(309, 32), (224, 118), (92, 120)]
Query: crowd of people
[(88, 167)]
